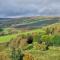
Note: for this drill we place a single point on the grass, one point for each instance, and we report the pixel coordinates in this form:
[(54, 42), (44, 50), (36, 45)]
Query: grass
[(7, 38), (56, 40), (34, 31), (52, 54)]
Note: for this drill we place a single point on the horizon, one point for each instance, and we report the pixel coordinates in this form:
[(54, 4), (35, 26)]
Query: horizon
[(27, 16)]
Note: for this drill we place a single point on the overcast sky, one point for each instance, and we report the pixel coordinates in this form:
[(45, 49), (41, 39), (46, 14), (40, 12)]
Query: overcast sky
[(11, 8)]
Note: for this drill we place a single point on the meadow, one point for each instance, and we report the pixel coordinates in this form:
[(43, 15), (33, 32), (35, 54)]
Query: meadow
[(7, 38)]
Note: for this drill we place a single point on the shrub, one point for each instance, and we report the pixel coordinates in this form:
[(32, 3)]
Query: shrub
[(23, 36), (37, 37), (16, 54), (36, 46), (47, 31), (53, 29), (39, 46), (28, 47), (29, 39), (2, 34), (47, 38), (47, 45), (56, 40), (40, 41), (28, 56), (1, 29)]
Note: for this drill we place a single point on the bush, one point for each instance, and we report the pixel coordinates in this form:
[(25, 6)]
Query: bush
[(56, 40), (47, 45), (23, 36), (28, 56), (40, 41), (47, 38), (47, 31), (1, 29), (2, 33), (29, 39), (16, 54), (28, 47), (37, 46)]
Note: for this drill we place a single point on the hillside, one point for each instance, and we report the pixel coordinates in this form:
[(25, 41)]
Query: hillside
[(27, 22), (40, 43)]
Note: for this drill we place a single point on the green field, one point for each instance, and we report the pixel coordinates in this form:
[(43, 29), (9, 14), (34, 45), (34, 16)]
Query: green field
[(6, 38)]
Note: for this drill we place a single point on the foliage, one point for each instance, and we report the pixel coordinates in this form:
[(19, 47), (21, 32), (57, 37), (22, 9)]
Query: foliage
[(16, 54), (56, 40), (28, 56), (6, 38), (47, 37), (37, 46), (29, 39), (1, 29), (28, 47)]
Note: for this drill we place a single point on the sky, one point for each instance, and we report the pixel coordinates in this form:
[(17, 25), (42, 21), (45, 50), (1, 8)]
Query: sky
[(18, 8)]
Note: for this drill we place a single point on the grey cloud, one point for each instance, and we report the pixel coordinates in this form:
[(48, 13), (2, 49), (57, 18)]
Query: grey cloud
[(29, 7)]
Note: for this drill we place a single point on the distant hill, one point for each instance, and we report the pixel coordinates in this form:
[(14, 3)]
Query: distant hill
[(27, 22)]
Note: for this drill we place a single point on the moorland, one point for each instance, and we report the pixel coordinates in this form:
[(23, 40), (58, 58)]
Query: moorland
[(30, 38)]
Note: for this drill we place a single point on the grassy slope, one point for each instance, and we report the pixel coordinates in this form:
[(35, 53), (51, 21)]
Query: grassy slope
[(6, 38), (52, 54), (42, 31)]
